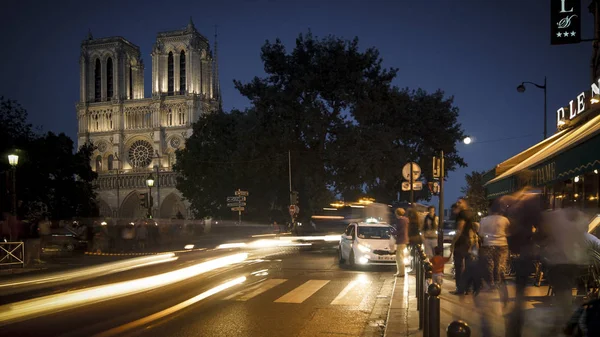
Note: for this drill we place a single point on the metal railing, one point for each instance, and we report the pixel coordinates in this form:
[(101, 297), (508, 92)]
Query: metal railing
[(428, 300), (12, 253)]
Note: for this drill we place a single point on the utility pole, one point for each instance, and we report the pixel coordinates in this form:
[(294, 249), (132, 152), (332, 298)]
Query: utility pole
[(412, 191), (290, 178)]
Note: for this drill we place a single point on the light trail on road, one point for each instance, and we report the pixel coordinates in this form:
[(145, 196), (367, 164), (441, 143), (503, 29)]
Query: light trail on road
[(28, 309)]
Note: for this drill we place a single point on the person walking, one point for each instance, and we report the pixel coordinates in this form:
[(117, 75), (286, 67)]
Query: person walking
[(494, 247), (438, 262), (430, 228), (525, 213), (401, 235), (465, 250)]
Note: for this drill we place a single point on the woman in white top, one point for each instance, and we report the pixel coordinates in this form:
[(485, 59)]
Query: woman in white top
[(494, 248)]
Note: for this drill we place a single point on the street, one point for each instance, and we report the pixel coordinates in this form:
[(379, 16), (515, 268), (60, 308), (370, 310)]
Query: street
[(286, 293)]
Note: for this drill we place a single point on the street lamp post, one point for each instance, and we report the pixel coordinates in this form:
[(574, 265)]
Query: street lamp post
[(13, 160), (441, 203), (150, 183), (118, 185), (521, 88)]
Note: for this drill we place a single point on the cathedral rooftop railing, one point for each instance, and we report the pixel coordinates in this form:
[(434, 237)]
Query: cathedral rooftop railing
[(133, 179)]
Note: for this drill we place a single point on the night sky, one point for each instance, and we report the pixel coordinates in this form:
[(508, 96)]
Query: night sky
[(478, 51)]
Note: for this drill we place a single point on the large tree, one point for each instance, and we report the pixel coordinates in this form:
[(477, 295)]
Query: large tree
[(474, 192), (333, 107), (51, 179)]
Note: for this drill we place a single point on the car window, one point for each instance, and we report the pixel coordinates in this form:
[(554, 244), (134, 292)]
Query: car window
[(368, 232), (348, 230), (352, 231)]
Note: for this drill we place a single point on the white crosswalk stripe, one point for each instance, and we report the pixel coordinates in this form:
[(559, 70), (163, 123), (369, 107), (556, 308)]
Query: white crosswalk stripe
[(246, 294), (303, 292), (352, 294)]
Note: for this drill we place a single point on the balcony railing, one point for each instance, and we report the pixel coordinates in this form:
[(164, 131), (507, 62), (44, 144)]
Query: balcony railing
[(133, 180)]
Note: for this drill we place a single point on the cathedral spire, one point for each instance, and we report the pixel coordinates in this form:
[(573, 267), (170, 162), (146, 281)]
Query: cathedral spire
[(217, 85), (190, 25), (89, 36)]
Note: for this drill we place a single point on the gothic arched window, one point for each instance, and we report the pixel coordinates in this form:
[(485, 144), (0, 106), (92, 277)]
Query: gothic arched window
[(170, 117), (98, 163), (130, 83), (170, 79), (109, 79), (182, 73), (110, 162), (97, 81)]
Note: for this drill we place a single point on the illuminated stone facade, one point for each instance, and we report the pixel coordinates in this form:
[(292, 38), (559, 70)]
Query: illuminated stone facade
[(133, 135)]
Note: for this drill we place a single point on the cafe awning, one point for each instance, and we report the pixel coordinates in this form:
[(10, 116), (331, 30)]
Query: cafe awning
[(565, 154)]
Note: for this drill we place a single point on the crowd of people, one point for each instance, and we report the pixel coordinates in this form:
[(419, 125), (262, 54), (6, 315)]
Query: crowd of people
[(517, 226)]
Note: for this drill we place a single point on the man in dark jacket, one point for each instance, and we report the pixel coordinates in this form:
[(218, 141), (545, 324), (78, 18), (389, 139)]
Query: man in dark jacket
[(401, 235)]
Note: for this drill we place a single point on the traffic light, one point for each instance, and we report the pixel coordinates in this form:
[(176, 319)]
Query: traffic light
[(295, 197), (143, 200)]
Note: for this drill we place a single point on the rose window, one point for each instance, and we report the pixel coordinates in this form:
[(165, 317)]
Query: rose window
[(175, 142), (102, 147), (140, 154)]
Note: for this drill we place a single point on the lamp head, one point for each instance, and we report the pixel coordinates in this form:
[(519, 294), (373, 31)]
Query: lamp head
[(467, 140), (521, 88), (150, 180), (13, 159)]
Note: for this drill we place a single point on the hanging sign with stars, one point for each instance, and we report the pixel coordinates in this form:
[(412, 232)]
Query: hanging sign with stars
[(565, 21)]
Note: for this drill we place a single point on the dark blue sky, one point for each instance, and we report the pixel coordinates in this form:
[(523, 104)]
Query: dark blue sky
[(478, 51)]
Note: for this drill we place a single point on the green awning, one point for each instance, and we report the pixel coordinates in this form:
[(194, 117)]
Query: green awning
[(574, 152)]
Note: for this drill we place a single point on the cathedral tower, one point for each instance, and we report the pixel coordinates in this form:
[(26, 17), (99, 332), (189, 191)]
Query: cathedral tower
[(182, 64), (110, 68)]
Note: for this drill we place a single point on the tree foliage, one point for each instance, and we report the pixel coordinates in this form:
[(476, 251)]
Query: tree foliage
[(335, 109), (52, 179), (474, 192)]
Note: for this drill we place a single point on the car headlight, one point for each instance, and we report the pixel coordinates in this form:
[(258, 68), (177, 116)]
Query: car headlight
[(363, 248), (452, 233)]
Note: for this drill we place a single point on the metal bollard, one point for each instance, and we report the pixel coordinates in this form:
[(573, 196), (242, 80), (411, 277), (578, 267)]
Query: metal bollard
[(428, 276), (421, 289), (433, 321), (418, 271), (458, 329)]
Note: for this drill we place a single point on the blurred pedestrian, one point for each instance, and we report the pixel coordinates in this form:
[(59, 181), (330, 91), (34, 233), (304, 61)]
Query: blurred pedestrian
[(524, 212), (465, 248), (400, 225), (563, 235), (494, 247), (430, 228)]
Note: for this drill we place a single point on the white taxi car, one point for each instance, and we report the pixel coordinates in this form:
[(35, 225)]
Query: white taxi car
[(367, 243)]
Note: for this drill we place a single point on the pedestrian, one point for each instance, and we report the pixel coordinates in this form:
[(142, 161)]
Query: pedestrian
[(525, 213), (438, 261), (494, 248), (401, 235), (563, 236), (465, 248), (430, 228)]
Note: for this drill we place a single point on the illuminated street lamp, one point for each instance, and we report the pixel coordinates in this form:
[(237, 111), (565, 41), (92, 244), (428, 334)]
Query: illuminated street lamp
[(150, 183), (467, 140), (13, 160)]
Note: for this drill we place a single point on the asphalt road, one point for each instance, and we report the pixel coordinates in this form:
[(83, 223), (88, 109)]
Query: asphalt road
[(293, 293)]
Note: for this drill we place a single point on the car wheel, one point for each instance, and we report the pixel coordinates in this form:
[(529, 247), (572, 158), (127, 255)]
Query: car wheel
[(341, 256), (351, 261)]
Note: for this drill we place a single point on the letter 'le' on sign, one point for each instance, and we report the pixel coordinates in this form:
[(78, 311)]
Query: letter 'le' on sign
[(565, 21)]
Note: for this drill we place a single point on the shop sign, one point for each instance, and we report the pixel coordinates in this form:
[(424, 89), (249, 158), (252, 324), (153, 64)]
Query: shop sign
[(545, 174), (578, 106), (565, 21)]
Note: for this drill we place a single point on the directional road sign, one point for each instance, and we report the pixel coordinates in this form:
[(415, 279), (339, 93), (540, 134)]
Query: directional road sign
[(242, 193), (237, 209), (236, 199), (236, 204)]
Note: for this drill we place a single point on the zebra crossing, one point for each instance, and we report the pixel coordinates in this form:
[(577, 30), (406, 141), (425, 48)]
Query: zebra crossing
[(349, 292)]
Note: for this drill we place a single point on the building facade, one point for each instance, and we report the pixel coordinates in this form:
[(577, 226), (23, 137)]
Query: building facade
[(134, 136)]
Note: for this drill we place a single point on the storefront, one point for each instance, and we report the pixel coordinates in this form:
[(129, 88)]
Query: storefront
[(565, 166)]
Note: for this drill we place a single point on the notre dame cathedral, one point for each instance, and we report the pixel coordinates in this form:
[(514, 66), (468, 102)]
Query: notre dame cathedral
[(134, 136)]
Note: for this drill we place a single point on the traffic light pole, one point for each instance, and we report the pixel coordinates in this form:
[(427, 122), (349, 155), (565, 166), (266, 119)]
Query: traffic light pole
[(441, 202)]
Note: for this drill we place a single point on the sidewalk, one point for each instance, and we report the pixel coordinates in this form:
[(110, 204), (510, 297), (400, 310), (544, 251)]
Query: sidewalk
[(403, 317)]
